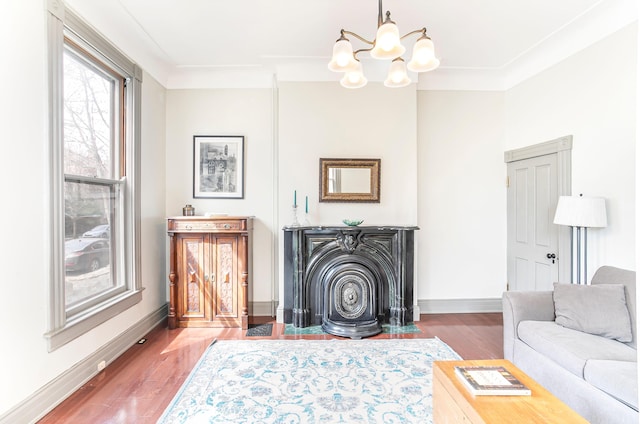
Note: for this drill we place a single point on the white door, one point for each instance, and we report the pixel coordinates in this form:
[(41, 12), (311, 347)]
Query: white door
[(532, 237)]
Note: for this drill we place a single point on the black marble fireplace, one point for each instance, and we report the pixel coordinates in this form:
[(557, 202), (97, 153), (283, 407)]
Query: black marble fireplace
[(350, 280)]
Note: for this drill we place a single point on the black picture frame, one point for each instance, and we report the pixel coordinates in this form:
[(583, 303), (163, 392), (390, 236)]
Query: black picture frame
[(218, 166)]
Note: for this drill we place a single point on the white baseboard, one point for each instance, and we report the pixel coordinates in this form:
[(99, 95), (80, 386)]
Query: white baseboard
[(49, 396), (263, 309), (459, 306)]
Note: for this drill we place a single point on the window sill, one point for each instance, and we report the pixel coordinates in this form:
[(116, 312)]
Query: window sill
[(85, 322)]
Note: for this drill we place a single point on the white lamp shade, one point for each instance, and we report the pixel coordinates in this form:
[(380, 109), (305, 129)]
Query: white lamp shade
[(354, 78), (423, 58), (387, 42), (429, 66), (342, 59), (581, 212), (397, 75)]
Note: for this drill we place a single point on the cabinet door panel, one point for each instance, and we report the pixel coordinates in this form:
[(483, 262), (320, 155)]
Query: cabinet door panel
[(226, 296), (194, 293)]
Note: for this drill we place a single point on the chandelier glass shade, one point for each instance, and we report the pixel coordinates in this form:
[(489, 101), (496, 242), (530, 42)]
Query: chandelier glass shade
[(354, 78), (387, 43), (386, 46)]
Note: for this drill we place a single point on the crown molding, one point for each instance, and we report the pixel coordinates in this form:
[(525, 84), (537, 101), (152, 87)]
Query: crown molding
[(603, 19)]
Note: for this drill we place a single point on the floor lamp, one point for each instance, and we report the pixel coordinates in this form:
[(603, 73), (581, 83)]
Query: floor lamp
[(580, 213)]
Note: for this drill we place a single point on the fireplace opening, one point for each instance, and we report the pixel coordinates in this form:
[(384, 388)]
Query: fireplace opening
[(351, 301)]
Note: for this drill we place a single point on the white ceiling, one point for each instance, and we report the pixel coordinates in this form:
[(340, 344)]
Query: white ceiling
[(482, 44)]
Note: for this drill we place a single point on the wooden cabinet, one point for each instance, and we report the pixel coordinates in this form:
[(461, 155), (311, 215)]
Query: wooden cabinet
[(209, 261)]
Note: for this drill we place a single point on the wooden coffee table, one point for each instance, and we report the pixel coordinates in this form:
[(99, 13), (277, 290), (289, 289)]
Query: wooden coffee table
[(452, 403)]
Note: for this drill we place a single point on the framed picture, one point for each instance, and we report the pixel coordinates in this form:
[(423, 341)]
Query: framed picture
[(218, 167)]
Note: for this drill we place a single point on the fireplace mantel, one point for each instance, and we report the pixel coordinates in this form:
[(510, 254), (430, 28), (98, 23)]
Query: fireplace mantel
[(350, 280)]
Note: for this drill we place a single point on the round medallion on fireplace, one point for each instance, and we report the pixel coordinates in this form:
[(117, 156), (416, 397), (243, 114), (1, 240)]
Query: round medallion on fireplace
[(350, 296)]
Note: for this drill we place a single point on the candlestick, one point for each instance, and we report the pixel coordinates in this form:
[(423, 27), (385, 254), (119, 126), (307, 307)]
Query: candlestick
[(294, 199), (294, 213)]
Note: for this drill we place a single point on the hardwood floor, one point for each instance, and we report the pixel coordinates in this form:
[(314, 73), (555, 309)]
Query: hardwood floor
[(138, 386)]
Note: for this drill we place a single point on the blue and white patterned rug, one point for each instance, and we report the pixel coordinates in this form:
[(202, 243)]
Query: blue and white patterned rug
[(310, 381)]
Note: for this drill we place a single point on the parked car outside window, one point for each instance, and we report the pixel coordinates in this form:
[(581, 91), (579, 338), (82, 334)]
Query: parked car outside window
[(101, 231), (86, 254)]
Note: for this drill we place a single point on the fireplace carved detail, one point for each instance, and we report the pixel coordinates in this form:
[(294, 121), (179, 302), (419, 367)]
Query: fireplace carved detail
[(350, 280)]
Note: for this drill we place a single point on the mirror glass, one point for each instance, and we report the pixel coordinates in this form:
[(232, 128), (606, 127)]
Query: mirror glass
[(349, 180)]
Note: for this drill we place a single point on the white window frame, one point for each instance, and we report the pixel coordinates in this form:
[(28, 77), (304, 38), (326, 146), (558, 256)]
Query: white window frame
[(61, 326)]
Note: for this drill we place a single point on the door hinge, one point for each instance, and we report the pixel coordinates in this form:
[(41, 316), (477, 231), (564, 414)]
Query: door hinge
[(507, 286), (507, 182)]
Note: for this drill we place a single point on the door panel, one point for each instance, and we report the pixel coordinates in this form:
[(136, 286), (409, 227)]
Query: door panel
[(545, 276), (531, 202), (521, 205), (192, 293), (226, 284), (543, 205)]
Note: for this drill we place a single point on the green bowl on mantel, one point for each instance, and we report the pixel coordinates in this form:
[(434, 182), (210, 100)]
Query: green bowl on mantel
[(353, 222)]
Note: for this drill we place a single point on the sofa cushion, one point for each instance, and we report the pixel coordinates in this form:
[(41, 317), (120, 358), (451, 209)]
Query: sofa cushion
[(613, 275), (596, 309), (571, 348), (616, 378)]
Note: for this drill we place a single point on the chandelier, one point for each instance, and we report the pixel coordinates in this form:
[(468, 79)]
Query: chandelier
[(385, 46)]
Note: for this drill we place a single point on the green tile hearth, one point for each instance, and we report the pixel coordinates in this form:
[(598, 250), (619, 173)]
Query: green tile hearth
[(289, 329)]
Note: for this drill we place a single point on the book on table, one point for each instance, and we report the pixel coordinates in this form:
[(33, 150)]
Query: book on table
[(491, 381)]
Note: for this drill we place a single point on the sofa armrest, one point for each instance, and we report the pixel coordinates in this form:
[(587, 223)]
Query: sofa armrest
[(520, 306)]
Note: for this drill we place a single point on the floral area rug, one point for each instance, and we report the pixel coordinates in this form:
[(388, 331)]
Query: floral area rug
[(310, 381)]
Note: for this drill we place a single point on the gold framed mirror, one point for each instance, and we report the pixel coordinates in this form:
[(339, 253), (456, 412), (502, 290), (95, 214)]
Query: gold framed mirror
[(350, 180)]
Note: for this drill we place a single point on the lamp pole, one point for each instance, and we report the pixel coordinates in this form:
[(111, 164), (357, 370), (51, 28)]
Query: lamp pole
[(581, 255), (580, 213)]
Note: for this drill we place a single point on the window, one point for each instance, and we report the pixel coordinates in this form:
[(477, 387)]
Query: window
[(94, 137)]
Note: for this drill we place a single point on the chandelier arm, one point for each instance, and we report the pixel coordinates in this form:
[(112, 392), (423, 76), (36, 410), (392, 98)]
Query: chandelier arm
[(344, 31), (362, 50), (422, 31)]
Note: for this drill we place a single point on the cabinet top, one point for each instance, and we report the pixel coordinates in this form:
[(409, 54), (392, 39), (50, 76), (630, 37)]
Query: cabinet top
[(205, 224), (352, 228)]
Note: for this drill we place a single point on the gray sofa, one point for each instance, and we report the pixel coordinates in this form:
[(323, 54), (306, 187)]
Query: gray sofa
[(577, 343)]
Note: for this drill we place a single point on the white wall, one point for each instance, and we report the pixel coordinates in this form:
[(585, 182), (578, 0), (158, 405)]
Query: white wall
[(592, 96), (360, 128), (325, 120), (462, 195), (245, 112), (154, 230), (24, 361), (462, 136), (25, 364)]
